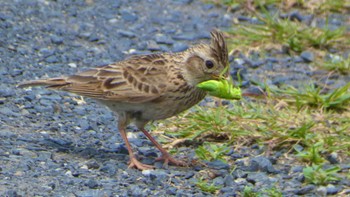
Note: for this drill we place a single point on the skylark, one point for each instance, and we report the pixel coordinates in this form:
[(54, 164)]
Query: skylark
[(148, 87)]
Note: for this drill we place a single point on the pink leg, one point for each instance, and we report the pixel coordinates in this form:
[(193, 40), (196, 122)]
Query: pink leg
[(165, 155), (134, 163)]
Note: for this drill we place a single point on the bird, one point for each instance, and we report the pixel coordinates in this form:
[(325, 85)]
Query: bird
[(145, 88)]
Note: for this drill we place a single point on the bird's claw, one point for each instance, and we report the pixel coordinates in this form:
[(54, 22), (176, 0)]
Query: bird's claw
[(134, 163)]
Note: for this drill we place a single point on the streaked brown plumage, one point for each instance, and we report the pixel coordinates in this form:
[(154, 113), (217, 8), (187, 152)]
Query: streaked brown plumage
[(148, 87)]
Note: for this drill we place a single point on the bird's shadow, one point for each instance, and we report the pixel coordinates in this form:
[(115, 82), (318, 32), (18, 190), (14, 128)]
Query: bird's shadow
[(87, 152)]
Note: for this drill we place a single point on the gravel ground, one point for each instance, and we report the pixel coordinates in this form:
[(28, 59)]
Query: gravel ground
[(53, 144)]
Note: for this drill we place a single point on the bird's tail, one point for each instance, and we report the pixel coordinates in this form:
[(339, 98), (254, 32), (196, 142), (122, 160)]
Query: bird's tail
[(55, 83)]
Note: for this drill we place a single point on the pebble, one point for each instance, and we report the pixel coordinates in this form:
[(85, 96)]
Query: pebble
[(128, 34), (56, 39), (109, 169), (321, 191), (6, 133), (307, 56), (304, 190), (163, 39), (6, 92), (297, 169), (262, 164), (52, 59), (184, 36), (45, 52), (254, 178), (92, 164), (8, 112), (333, 158), (332, 190), (294, 15), (159, 175), (171, 191), (128, 16), (218, 164), (92, 184), (228, 180), (178, 47)]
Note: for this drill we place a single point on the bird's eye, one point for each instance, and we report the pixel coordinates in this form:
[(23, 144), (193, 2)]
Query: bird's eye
[(209, 64)]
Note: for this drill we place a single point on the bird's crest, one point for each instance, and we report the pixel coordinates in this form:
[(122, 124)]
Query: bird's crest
[(218, 47)]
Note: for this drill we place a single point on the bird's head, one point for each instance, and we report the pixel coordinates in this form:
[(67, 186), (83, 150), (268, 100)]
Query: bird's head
[(207, 61)]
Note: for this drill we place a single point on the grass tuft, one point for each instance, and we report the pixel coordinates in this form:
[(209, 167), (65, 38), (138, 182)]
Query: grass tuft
[(313, 96), (206, 187), (211, 152), (338, 63), (315, 174)]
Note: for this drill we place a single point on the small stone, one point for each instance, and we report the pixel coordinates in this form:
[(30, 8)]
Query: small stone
[(45, 52), (6, 92), (163, 39), (307, 56), (109, 169), (294, 15), (2, 100), (128, 34), (218, 181), (280, 80), (153, 46), (241, 181), (51, 59), (218, 164), (44, 156), (228, 191), (296, 169), (261, 163), (228, 180), (56, 39), (346, 191), (5, 133), (135, 190), (92, 165), (332, 190), (254, 64), (178, 47), (258, 177), (72, 65), (56, 142), (94, 192), (184, 36), (333, 158), (189, 175), (16, 152), (128, 16), (171, 190), (93, 38), (305, 190), (321, 191), (183, 2), (298, 148), (8, 112), (92, 184), (155, 174), (11, 193), (113, 20)]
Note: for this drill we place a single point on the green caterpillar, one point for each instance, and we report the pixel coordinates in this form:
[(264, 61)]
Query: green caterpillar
[(221, 88)]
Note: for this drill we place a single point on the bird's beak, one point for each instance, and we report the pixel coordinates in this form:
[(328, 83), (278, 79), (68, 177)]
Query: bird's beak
[(216, 77)]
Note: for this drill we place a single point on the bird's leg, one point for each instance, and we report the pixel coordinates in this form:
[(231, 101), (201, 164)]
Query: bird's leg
[(134, 163), (165, 155)]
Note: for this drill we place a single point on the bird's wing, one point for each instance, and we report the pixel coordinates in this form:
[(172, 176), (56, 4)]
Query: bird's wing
[(136, 80)]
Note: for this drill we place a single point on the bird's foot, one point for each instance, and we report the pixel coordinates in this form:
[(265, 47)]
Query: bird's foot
[(169, 159), (134, 163)]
